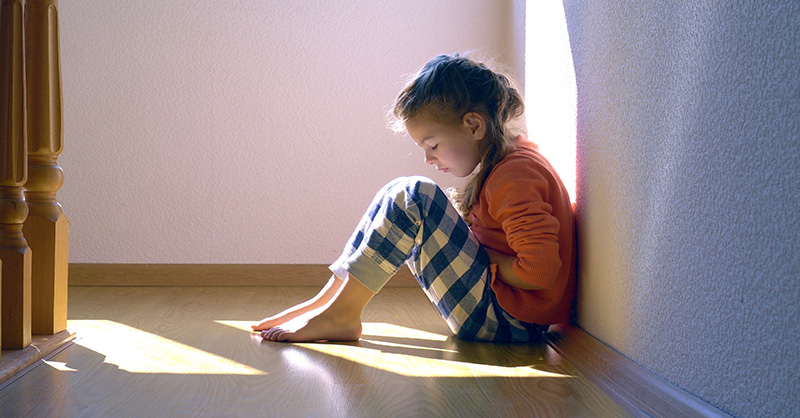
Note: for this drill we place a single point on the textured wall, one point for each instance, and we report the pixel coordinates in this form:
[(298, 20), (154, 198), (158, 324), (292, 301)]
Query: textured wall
[(244, 131), (688, 191)]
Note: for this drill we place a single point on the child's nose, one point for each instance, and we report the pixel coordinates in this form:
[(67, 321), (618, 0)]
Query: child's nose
[(429, 159)]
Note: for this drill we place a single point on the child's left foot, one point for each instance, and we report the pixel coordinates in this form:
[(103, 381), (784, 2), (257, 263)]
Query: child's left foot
[(321, 299)]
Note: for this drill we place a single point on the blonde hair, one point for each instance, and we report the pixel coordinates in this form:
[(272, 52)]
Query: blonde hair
[(448, 87)]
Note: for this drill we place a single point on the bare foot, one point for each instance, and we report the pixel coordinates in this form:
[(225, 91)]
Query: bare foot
[(321, 299), (321, 325), (339, 320)]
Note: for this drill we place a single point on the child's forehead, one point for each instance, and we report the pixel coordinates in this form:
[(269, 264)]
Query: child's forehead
[(422, 130)]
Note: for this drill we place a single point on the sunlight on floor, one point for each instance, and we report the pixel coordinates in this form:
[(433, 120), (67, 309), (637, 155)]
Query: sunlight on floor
[(421, 365), (368, 329), (407, 346), (391, 330), (416, 366), (190, 351), (393, 348), (59, 365), (138, 351)]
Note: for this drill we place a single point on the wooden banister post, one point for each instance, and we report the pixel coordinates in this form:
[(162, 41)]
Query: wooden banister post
[(46, 228), (15, 303)]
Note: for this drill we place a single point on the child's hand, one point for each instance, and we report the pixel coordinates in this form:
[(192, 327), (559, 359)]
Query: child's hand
[(505, 270)]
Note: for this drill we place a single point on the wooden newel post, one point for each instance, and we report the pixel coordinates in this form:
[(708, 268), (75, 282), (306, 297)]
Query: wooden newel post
[(47, 228), (15, 304)]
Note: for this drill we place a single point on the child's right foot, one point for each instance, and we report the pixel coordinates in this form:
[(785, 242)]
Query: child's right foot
[(322, 298), (338, 320), (320, 325)]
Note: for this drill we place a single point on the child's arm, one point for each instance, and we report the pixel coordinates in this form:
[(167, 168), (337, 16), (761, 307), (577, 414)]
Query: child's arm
[(517, 195), (505, 272)]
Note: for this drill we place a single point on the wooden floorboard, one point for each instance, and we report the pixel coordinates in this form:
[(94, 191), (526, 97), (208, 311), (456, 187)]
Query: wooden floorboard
[(147, 351)]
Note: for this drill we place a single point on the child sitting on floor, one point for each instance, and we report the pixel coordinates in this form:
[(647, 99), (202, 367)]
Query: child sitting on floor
[(498, 260)]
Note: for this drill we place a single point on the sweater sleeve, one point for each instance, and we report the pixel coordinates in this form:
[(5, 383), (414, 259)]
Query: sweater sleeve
[(517, 196)]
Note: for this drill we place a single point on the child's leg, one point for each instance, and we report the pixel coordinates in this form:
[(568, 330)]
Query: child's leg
[(410, 220), (299, 323), (363, 269), (323, 297)]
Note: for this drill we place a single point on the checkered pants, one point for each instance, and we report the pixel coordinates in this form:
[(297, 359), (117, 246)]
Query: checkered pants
[(411, 221)]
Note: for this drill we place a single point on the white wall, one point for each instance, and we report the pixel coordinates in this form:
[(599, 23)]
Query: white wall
[(243, 131), (688, 191)]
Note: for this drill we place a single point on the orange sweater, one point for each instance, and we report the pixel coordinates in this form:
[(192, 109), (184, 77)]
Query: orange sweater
[(524, 210)]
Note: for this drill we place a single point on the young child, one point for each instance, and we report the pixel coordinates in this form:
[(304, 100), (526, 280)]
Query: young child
[(497, 262)]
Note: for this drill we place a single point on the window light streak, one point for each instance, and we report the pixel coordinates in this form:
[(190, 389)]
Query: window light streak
[(59, 365), (138, 351), (368, 329), (550, 87), (402, 364), (408, 346), (391, 330), (416, 366)]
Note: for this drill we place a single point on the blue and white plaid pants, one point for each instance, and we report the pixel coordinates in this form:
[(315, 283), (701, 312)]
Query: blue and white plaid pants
[(411, 221)]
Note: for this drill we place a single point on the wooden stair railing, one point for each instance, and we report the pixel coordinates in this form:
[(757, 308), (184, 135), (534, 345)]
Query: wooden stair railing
[(34, 279), (15, 303), (47, 228)]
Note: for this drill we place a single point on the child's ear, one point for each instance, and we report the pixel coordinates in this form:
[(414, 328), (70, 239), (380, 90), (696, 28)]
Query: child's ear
[(476, 125)]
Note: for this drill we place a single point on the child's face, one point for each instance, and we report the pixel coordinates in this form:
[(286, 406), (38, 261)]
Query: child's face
[(452, 148)]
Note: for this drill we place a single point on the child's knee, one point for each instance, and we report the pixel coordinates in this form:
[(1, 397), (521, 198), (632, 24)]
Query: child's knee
[(420, 185), (411, 186)]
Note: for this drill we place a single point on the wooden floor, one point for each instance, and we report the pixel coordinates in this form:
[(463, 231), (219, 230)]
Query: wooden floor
[(187, 351)]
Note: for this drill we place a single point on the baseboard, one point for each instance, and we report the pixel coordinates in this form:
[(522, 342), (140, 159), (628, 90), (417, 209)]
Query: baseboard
[(642, 393), (85, 274)]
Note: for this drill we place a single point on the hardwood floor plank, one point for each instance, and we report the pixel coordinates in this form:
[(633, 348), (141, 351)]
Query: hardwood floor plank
[(188, 352)]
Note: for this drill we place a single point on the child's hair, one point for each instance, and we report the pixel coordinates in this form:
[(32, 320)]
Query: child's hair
[(449, 87)]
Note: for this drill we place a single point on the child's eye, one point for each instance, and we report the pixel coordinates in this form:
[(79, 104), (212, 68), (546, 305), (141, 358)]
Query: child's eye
[(434, 147)]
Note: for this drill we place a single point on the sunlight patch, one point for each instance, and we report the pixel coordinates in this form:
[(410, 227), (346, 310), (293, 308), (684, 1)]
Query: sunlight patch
[(138, 351), (59, 365), (380, 329), (408, 346), (416, 366), (403, 364), (369, 329)]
